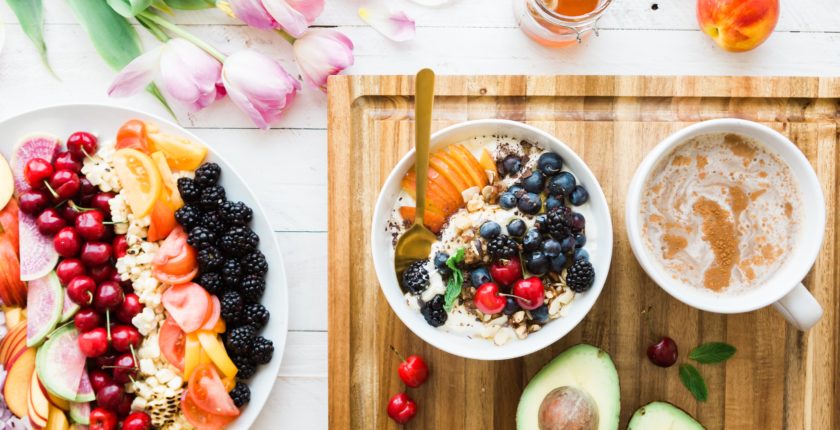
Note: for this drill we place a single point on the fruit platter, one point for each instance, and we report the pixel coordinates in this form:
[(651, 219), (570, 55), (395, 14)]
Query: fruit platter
[(141, 285)]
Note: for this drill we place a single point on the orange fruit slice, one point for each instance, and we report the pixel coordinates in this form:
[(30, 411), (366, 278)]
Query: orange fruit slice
[(140, 179), (170, 194), (181, 153)]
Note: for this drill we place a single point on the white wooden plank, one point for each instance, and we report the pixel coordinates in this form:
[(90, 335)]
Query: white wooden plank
[(305, 258), (305, 355), (295, 403)]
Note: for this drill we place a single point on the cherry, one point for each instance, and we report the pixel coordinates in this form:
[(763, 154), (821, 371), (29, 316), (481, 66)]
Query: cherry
[(662, 353), (120, 245), (81, 144), (124, 368), (110, 396), (49, 222), (124, 337), (102, 201), (96, 253), (68, 269), (69, 213), (130, 307), (412, 370), (36, 171), (33, 201), (87, 191), (125, 284), (488, 300), (401, 408), (86, 320), (137, 421), (125, 406), (530, 293), (101, 273), (506, 272), (93, 343), (65, 161), (67, 242), (65, 184), (102, 419), (99, 378), (105, 360), (90, 225), (81, 289), (109, 295)]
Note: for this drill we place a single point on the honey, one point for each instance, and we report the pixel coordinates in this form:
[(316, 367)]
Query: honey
[(559, 23), (572, 7)]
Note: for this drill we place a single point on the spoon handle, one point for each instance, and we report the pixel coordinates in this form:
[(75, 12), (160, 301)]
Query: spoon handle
[(424, 95)]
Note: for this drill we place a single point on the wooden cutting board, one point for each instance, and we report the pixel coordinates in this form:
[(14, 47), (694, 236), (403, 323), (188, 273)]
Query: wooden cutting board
[(779, 379)]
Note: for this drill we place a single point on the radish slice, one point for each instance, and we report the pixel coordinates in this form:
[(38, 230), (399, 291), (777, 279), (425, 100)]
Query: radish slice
[(188, 304)]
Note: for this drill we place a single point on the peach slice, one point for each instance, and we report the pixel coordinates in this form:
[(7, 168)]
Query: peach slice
[(446, 186), (18, 380), (450, 168), (431, 219), (470, 163), (487, 162), (435, 197)]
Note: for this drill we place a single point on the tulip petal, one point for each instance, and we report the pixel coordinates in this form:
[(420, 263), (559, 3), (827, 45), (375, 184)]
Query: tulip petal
[(137, 74), (395, 25), (259, 86), (311, 9), (189, 74), (288, 18), (253, 13), (323, 52)]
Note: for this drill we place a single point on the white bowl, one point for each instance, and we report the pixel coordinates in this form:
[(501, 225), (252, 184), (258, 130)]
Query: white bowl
[(104, 120), (599, 245)]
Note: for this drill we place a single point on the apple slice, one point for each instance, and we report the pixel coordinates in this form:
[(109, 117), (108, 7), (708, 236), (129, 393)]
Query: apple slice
[(431, 219), (7, 182), (470, 163), (38, 399), (449, 168), (13, 343), (56, 401), (57, 420), (18, 380)]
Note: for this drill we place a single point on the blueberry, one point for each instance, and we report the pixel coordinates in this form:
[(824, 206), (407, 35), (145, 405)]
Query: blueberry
[(516, 228), (567, 244), (540, 314), (507, 200), (539, 222), (563, 183), (511, 307), (534, 183), (537, 263), (579, 196), (580, 240), (581, 254), (511, 165), (516, 190), (440, 263), (529, 203), (550, 163), (532, 240), (578, 222), (489, 229), (551, 248), (552, 203), (557, 263), (480, 276)]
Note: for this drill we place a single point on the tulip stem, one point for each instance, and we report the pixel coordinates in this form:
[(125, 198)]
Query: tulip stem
[(289, 38), (183, 33), (153, 28)]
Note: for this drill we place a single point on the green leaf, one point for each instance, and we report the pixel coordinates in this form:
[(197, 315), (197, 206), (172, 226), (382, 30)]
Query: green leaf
[(453, 286), (129, 8), (191, 4), (692, 380), (712, 352), (114, 38), (30, 14)]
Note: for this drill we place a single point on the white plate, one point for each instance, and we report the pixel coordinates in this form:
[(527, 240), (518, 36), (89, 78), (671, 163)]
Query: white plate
[(104, 120)]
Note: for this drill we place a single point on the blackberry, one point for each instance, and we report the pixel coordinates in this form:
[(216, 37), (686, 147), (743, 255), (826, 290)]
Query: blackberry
[(239, 340), (212, 282), (255, 263), (212, 197), (433, 311), (214, 222), (252, 287), (256, 315), (189, 190), (200, 237), (236, 213), (188, 216), (239, 241), (580, 276), (231, 306), (208, 174), (245, 366), (502, 247), (231, 273), (262, 350), (210, 259), (558, 222), (240, 394), (416, 278)]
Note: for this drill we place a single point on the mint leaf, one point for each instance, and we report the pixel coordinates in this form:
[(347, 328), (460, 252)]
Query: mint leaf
[(712, 352), (453, 286), (694, 382)]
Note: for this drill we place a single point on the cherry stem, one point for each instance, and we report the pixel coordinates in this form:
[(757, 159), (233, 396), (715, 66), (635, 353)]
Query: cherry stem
[(51, 190), (646, 313), (84, 151), (397, 353), (516, 297), (134, 356), (78, 208), (90, 297), (108, 323)]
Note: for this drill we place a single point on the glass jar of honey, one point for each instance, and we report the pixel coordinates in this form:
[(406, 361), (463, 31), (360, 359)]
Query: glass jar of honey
[(559, 23)]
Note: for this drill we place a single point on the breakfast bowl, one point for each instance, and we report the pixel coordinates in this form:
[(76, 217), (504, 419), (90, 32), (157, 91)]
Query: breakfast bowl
[(512, 154)]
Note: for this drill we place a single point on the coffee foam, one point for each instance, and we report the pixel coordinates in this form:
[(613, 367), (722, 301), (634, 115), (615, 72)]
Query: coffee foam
[(721, 213)]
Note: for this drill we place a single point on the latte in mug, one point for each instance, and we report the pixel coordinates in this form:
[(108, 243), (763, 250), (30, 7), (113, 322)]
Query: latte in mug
[(720, 213)]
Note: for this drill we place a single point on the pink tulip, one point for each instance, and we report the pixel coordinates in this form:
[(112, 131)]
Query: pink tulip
[(185, 72), (322, 52), (259, 86), (293, 16)]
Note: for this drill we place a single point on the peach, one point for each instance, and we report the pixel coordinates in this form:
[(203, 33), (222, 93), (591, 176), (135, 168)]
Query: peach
[(738, 25)]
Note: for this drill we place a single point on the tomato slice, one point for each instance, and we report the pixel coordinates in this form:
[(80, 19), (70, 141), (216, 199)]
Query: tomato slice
[(213, 314), (188, 304), (209, 394), (133, 134), (171, 340), (174, 279), (170, 195), (175, 262), (140, 179), (163, 222), (199, 418)]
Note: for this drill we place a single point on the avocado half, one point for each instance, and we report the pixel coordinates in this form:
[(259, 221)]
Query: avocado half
[(662, 416), (588, 373)]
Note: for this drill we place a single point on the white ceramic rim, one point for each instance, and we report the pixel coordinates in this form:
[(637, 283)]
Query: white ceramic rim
[(482, 349), (800, 260), (264, 380)]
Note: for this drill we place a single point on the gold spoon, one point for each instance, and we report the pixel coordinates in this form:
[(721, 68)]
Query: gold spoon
[(416, 243)]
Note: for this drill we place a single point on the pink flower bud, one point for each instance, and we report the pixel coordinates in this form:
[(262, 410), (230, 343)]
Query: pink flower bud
[(259, 86)]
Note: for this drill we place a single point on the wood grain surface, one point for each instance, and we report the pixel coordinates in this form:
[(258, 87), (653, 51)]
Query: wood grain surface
[(779, 379)]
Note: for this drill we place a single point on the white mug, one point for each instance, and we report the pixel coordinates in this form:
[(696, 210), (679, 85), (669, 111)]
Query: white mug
[(784, 290)]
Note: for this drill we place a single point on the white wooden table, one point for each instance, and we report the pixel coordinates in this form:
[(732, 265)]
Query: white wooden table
[(286, 166)]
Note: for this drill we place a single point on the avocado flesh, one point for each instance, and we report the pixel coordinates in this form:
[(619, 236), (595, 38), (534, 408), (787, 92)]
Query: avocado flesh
[(662, 416), (584, 367)]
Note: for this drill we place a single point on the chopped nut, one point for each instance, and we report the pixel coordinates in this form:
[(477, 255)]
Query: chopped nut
[(469, 193), (518, 317), (475, 204), (533, 327), (566, 297), (501, 338), (549, 294), (520, 331), (564, 311), (486, 318), (499, 321), (463, 223), (554, 307), (488, 192)]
